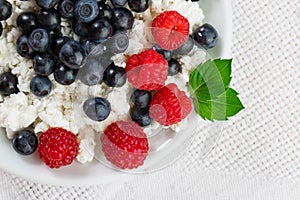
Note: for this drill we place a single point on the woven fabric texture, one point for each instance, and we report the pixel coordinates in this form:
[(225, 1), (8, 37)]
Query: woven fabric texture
[(262, 141)]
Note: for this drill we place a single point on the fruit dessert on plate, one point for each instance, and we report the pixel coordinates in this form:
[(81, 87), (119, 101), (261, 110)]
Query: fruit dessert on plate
[(77, 73)]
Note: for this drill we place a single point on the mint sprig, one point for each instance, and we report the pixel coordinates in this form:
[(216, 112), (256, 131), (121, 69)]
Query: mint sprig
[(210, 86)]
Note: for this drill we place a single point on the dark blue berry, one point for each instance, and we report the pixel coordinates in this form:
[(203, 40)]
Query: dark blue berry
[(43, 63), (105, 11), (165, 53), (80, 28), (23, 47), (118, 43), (141, 98), (123, 19), (206, 36), (40, 86), (49, 19), (118, 3), (57, 43), (25, 142), (186, 48), (114, 76), (5, 10), (141, 116), (8, 84), (39, 40), (65, 9), (97, 109), (72, 54), (46, 4), (86, 10), (64, 75), (100, 30), (92, 72), (174, 67), (138, 5), (27, 21)]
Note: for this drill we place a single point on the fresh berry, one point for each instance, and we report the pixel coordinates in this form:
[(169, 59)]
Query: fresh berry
[(58, 147), (122, 19), (138, 5), (165, 53), (72, 54), (25, 142), (80, 28), (141, 98), (86, 10), (92, 72), (174, 67), (39, 40), (170, 30), (114, 76), (23, 47), (206, 36), (8, 84), (64, 75), (57, 43), (100, 30), (118, 3), (141, 116), (169, 105), (105, 11), (5, 10), (27, 21), (65, 9), (147, 70), (125, 144), (186, 48), (40, 86), (118, 43), (97, 109), (46, 4), (49, 19), (43, 64)]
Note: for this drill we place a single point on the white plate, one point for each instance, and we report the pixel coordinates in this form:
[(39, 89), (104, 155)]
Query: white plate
[(218, 13)]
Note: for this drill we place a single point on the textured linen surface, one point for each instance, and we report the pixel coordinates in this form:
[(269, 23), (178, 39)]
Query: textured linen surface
[(257, 155)]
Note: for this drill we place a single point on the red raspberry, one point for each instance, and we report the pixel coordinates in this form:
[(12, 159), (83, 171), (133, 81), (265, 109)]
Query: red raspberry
[(169, 105), (147, 70), (125, 144), (170, 30), (58, 147)]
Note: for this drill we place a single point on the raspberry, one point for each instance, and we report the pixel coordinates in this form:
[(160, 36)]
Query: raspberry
[(125, 144), (169, 105), (147, 70), (170, 30), (58, 147)]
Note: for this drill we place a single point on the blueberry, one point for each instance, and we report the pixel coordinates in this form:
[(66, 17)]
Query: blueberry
[(72, 54), (138, 5), (186, 48), (92, 72), (114, 76), (49, 19), (39, 40), (86, 10), (118, 3), (206, 36), (105, 11), (80, 28), (174, 67), (122, 19), (40, 86), (43, 63), (118, 43), (27, 21), (141, 116), (46, 4), (66, 9), (5, 10), (25, 142), (100, 30), (97, 109), (23, 47), (57, 43), (141, 98), (165, 53), (64, 75), (1, 29), (8, 84)]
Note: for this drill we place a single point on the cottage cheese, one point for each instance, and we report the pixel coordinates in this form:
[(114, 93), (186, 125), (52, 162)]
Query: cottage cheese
[(63, 107)]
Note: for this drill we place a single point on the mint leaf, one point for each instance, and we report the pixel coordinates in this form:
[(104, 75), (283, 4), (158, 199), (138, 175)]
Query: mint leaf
[(213, 98)]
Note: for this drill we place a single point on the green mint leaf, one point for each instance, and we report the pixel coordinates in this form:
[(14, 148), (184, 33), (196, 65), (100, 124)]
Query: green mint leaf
[(213, 98)]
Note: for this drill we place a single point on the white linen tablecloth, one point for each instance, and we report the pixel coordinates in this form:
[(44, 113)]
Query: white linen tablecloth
[(258, 154)]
